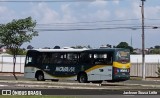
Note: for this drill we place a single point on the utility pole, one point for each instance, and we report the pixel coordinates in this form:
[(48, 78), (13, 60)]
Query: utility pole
[(143, 42)]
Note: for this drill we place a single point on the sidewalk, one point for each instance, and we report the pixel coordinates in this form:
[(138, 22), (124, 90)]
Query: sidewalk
[(147, 78), (10, 74)]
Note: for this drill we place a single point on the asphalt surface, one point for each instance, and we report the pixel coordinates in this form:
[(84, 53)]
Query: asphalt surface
[(64, 87)]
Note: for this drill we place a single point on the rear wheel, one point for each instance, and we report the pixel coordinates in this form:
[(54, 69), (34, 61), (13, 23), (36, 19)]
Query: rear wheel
[(40, 77), (82, 78)]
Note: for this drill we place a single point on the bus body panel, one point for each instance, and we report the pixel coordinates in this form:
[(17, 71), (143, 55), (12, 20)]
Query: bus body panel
[(29, 72), (100, 73), (114, 69)]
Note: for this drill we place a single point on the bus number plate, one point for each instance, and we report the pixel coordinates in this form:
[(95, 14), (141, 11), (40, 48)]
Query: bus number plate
[(123, 70)]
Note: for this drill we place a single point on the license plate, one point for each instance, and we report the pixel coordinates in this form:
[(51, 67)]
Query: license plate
[(123, 70)]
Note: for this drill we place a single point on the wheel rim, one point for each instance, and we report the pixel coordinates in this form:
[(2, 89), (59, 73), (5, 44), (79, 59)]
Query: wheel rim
[(82, 79), (40, 77)]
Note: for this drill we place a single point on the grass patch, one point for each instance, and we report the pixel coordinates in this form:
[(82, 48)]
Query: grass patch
[(43, 96), (135, 78)]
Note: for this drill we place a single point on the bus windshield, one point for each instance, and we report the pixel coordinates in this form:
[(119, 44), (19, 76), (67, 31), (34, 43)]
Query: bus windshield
[(123, 56)]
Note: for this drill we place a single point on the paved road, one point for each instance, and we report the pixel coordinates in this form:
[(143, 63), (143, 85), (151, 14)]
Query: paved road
[(74, 88), (21, 78)]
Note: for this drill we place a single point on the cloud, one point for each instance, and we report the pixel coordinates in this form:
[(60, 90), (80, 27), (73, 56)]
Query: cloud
[(102, 14), (99, 3), (6, 14), (149, 11), (120, 13), (44, 13), (67, 14), (116, 1), (136, 9), (152, 12)]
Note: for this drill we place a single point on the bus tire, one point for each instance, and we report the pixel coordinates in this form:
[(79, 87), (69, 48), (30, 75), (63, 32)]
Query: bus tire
[(40, 76), (82, 78)]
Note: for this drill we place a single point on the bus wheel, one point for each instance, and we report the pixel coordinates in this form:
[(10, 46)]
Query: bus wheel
[(40, 77), (82, 78)]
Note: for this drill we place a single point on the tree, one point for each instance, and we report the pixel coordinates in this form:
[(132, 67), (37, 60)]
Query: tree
[(125, 45), (15, 33), (30, 47), (158, 72), (57, 47), (122, 45), (157, 47)]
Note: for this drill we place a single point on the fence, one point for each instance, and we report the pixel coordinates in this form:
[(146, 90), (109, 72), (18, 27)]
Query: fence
[(152, 64), (6, 63), (151, 69)]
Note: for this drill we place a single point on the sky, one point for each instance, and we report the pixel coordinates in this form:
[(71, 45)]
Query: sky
[(87, 22)]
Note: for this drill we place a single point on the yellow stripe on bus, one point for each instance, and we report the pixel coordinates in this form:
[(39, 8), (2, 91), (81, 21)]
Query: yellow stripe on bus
[(120, 65), (95, 67)]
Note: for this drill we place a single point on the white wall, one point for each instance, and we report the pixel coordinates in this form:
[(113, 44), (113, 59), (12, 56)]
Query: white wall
[(152, 62)]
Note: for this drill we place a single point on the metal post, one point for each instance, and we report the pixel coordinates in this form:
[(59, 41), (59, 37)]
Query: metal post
[(143, 42)]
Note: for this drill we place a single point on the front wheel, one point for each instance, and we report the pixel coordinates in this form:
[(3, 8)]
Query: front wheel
[(82, 78), (40, 77)]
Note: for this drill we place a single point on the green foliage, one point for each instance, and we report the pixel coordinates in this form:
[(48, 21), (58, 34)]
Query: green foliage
[(158, 72), (122, 45), (125, 45), (157, 47), (42, 96), (81, 47), (17, 32), (19, 52), (155, 51)]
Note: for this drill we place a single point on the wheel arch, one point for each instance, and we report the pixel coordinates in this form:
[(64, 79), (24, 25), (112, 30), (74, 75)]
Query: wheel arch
[(81, 72), (39, 72)]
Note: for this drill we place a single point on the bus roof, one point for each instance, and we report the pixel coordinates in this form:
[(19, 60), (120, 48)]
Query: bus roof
[(76, 50), (58, 50)]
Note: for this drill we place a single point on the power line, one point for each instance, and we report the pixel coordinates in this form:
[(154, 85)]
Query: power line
[(91, 29), (91, 21)]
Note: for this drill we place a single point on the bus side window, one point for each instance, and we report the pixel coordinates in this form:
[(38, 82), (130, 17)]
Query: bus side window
[(103, 58), (86, 58), (39, 59), (56, 58), (71, 58), (109, 58), (29, 60)]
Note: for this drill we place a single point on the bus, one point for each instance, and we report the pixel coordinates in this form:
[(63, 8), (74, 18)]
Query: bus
[(82, 65)]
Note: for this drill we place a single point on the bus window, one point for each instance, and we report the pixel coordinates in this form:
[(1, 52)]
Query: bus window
[(103, 58), (30, 59), (86, 58), (45, 58), (56, 58), (72, 58), (123, 56)]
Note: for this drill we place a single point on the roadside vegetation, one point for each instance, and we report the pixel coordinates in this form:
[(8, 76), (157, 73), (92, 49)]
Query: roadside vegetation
[(19, 52), (158, 72), (15, 33), (38, 96)]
